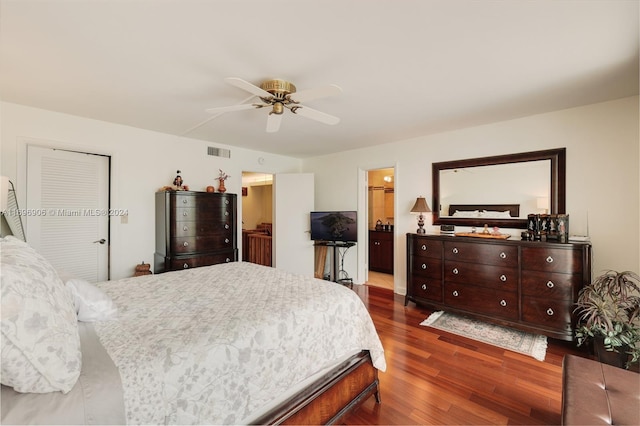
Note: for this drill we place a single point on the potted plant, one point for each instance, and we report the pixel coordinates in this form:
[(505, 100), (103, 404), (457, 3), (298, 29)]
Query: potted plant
[(609, 316)]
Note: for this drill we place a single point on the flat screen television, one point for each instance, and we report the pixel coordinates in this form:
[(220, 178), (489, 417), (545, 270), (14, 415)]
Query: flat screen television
[(338, 226)]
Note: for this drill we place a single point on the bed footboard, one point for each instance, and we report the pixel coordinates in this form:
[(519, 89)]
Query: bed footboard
[(330, 397)]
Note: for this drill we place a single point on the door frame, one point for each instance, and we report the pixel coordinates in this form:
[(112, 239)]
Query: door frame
[(363, 221), (22, 144)]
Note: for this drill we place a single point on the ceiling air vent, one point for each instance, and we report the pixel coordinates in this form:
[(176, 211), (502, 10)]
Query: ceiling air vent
[(219, 152)]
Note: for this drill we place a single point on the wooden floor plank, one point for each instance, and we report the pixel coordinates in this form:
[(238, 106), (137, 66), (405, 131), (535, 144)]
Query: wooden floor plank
[(435, 377)]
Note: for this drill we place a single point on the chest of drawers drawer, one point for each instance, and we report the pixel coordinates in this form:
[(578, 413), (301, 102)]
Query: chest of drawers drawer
[(551, 313), (550, 285), (427, 267), (496, 277), (551, 259), (423, 247), (188, 214), (186, 262), (488, 254), (427, 288), (199, 244), (193, 228), (481, 300)]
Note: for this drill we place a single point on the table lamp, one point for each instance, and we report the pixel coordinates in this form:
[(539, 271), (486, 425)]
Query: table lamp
[(420, 207)]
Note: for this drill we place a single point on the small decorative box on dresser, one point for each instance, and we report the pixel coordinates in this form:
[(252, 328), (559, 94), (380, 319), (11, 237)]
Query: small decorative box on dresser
[(527, 285), (194, 229)]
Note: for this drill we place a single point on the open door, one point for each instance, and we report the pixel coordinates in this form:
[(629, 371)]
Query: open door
[(293, 195)]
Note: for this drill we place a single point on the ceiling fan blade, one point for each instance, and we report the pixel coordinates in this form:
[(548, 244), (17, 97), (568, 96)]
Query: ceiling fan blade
[(245, 85), (316, 115), (318, 92), (273, 123), (232, 108)]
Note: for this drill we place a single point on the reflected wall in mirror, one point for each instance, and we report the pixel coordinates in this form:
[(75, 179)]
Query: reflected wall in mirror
[(500, 190)]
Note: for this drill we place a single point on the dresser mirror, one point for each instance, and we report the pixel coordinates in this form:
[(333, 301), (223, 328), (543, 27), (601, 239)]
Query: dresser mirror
[(500, 190)]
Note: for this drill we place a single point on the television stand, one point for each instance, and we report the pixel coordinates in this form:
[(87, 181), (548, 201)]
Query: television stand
[(336, 265)]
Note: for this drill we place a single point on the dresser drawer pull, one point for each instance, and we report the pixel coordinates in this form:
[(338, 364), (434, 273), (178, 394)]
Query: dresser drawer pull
[(424, 247), (226, 226), (185, 266), (226, 201), (455, 271), (226, 213), (550, 312), (503, 303), (184, 201), (226, 240), (227, 260), (185, 228), (549, 259), (550, 284), (185, 244), (423, 266), (424, 286), (455, 293), (455, 250), (185, 214), (503, 278), (503, 255)]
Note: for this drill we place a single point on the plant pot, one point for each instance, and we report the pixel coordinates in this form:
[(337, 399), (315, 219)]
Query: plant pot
[(617, 359)]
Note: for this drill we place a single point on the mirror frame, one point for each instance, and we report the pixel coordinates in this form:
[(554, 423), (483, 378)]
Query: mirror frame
[(557, 203)]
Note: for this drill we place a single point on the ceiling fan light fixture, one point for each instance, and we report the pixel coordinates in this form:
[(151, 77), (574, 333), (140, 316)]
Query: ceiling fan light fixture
[(278, 108), (278, 88)]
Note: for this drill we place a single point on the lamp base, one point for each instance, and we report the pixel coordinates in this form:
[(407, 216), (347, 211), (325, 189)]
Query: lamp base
[(421, 231)]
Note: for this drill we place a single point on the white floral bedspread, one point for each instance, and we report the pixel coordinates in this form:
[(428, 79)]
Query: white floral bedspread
[(214, 344)]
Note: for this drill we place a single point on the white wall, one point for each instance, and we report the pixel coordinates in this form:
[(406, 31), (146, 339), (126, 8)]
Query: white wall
[(142, 162), (603, 181)]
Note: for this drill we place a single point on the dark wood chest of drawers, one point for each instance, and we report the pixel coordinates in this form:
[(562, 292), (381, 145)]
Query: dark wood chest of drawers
[(522, 284), (194, 229)]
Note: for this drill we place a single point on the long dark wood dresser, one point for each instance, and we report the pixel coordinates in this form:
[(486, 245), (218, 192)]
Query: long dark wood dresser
[(528, 285), (195, 229)]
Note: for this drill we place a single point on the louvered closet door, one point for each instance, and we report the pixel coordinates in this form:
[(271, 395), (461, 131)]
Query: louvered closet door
[(67, 206)]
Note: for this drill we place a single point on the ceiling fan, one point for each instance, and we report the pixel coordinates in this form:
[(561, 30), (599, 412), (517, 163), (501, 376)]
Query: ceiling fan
[(281, 95)]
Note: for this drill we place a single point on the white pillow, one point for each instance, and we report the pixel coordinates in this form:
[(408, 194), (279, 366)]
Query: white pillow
[(92, 304), (496, 214), (40, 341), (463, 213)]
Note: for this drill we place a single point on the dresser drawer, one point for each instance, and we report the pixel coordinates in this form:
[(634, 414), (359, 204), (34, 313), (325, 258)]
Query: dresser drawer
[(188, 214), (206, 260), (550, 285), (481, 300), (552, 259), (206, 201), (427, 267), (488, 254), (182, 245), (548, 313), (423, 247), (201, 228), (495, 277), (427, 288)]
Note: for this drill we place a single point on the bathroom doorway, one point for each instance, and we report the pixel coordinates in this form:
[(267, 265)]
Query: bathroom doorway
[(380, 196), (257, 218)]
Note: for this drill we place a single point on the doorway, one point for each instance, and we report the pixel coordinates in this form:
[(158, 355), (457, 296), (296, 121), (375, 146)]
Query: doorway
[(257, 218), (380, 201)]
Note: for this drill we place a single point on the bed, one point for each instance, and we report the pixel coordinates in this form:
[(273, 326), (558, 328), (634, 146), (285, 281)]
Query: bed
[(236, 343)]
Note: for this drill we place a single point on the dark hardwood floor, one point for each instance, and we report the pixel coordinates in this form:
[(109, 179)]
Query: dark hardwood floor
[(434, 377)]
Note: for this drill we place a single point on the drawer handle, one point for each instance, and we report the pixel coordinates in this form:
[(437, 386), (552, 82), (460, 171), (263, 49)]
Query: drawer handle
[(550, 284), (185, 214), (424, 266), (184, 201), (226, 201), (455, 250), (455, 293), (226, 240), (424, 286), (503, 278), (503, 255), (226, 226), (550, 312), (185, 228), (227, 260), (549, 259), (185, 244), (185, 266), (503, 303), (424, 247), (455, 271)]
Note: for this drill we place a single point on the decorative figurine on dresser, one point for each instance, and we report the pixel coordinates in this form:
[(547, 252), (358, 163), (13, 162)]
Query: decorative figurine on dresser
[(528, 285), (194, 229)]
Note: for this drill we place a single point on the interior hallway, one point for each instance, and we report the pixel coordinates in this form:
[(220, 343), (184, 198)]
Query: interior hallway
[(379, 279)]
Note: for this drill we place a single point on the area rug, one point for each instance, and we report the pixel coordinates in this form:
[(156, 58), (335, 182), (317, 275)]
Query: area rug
[(534, 345)]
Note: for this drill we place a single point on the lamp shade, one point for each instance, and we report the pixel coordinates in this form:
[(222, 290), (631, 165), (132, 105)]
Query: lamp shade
[(420, 206), (4, 193)]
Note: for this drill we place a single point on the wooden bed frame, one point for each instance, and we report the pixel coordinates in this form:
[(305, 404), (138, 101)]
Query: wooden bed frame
[(514, 209), (331, 397)]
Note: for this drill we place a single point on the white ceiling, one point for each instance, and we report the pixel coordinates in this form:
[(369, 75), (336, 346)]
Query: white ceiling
[(407, 68)]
